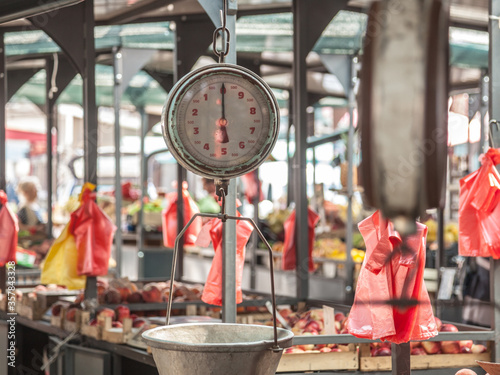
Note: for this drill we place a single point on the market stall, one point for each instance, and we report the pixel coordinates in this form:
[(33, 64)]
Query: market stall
[(309, 22)]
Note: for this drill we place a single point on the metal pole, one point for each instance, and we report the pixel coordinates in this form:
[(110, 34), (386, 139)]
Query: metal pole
[(485, 80), (349, 289), (229, 227), (300, 27), (494, 110), (401, 359), (50, 125), (118, 75), (144, 185), (3, 169), (90, 127)]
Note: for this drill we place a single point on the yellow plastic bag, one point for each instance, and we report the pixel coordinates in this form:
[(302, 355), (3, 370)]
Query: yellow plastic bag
[(60, 264)]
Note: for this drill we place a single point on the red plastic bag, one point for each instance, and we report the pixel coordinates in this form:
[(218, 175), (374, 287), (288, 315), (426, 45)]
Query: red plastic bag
[(289, 258), (252, 186), (93, 231), (393, 269), (169, 219), (212, 231), (479, 209), (8, 232)]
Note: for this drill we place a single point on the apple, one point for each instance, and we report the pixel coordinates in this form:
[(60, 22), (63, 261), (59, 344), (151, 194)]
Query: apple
[(92, 322), (478, 348), (465, 371), (336, 350), (71, 314), (122, 312), (293, 349), (450, 347), (151, 293), (313, 325), (139, 322), (339, 317), (418, 351), (116, 324), (285, 313), (465, 350), (415, 344), (466, 343), (325, 350), (56, 308), (448, 328), (112, 296), (381, 352), (317, 315), (439, 323), (135, 297), (124, 292), (431, 347), (106, 312)]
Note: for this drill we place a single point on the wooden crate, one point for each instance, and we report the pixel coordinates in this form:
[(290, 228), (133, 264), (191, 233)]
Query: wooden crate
[(72, 326), (117, 335), (251, 318), (87, 330), (421, 362), (30, 307), (345, 360)]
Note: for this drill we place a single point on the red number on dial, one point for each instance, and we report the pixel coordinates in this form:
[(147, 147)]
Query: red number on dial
[(253, 110), (252, 130), (196, 130), (195, 112), (242, 144), (206, 147), (241, 95), (205, 96), (223, 151)]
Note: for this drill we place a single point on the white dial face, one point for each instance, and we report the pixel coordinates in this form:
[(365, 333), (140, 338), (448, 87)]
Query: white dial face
[(223, 120)]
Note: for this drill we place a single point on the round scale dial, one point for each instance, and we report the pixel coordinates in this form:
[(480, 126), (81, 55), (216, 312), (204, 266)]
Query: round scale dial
[(221, 121)]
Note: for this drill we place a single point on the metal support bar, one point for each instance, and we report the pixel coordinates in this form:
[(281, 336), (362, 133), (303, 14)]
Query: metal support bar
[(494, 110), (349, 288), (50, 113), (90, 126), (401, 359), (485, 80), (117, 94), (309, 20), (11, 10), (3, 169)]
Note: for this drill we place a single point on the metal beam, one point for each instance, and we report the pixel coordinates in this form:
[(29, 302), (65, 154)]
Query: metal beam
[(11, 10), (494, 110), (166, 80), (135, 11), (17, 78), (310, 18), (56, 25), (3, 102)]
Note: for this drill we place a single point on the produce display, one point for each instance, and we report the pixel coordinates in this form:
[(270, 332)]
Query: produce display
[(432, 347)]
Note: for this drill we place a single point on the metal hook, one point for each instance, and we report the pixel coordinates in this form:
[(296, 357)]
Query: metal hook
[(495, 123), (225, 35)]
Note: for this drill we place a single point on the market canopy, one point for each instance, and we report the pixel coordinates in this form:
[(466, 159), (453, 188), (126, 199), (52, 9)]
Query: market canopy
[(267, 38)]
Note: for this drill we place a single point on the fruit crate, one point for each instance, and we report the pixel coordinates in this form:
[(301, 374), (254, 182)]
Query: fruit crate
[(421, 362), (347, 359), (94, 331), (116, 335), (70, 325), (30, 307)]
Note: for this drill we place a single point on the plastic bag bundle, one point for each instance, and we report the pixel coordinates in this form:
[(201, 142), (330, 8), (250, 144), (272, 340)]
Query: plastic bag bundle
[(289, 258), (169, 219), (60, 265), (393, 269), (93, 231), (9, 229), (212, 232), (479, 209)]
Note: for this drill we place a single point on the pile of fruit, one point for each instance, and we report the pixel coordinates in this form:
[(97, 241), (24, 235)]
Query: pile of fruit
[(335, 248), (118, 291), (312, 322), (432, 347)]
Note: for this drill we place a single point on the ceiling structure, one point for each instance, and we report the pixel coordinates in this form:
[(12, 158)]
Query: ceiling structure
[(264, 33)]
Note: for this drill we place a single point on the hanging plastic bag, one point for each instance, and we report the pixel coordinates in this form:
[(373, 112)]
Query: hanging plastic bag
[(93, 231), (8, 232), (252, 186), (392, 270), (212, 231), (479, 209), (289, 258), (169, 219), (60, 265)]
